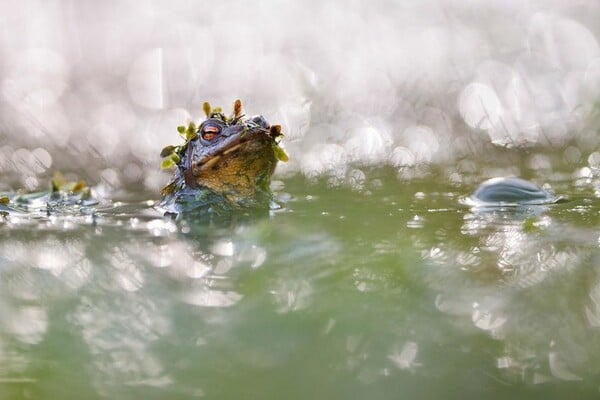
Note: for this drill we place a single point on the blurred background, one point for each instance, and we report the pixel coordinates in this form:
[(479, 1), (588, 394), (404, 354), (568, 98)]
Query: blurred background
[(385, 285), (96, 89)]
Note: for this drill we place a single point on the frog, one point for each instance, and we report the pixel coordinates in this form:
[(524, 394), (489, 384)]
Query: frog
[(226, 163)]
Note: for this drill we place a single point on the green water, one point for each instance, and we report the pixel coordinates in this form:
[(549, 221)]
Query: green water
[(379, 289)]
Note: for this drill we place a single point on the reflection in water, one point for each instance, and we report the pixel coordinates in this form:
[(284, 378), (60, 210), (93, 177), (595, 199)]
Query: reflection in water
[(126, 283), (105, 286), (516, 275), (405, 357), (119, 331), (132, 304)]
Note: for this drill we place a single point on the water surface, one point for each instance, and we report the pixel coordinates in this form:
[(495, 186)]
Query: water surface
[(383, 288)]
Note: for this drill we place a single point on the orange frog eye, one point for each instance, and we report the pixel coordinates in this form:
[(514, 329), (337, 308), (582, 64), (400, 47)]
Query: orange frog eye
[(210, 132)]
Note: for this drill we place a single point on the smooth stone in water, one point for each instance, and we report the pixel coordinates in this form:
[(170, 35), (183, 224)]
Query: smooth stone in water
[(511, 191)]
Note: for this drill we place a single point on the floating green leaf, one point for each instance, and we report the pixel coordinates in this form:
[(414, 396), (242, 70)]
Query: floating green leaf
[(4, 200), (181, 129), (280, 154), (175, 157), (206, 108), (190, 133), (191, 136), (167, 151), (78, 187), (167, 163), (57, 182)]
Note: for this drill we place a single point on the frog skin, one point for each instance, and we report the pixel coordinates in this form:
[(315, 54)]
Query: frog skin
[(226, 163)]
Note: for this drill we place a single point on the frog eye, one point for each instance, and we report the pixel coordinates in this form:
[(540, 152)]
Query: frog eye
[(209, 132)]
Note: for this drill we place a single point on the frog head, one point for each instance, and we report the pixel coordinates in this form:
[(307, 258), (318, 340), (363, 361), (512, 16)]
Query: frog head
[(229, 158)]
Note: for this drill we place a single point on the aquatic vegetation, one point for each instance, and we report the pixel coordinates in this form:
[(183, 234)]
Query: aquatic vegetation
[(62, 195)]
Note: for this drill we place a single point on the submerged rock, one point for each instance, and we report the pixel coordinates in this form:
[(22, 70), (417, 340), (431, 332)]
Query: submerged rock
[(511, 191)]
